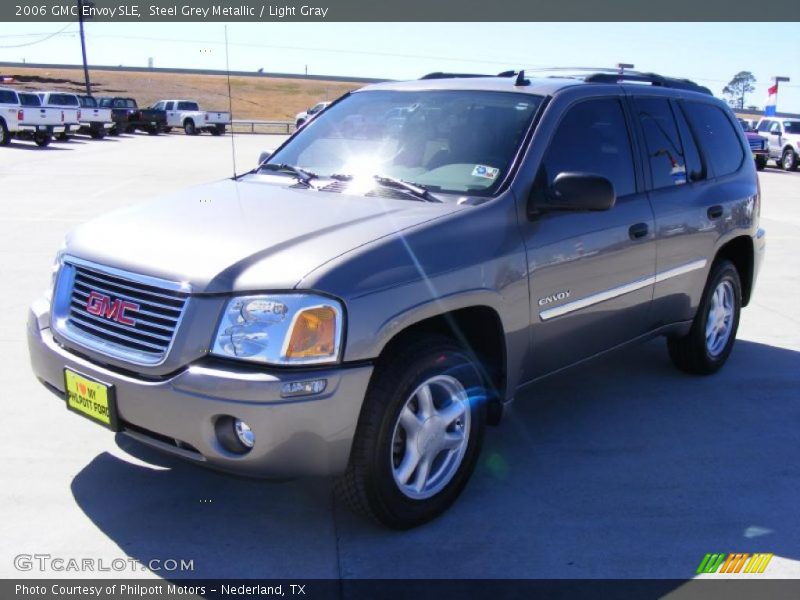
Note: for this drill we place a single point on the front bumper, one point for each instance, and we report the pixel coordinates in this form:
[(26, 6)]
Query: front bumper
[(306, 436)]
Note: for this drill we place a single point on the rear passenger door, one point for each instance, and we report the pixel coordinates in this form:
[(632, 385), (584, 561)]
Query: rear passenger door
[(692, 149), (590, 273)]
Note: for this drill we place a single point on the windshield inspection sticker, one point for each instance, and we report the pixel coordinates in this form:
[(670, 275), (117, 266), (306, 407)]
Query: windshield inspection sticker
[(485, 172)]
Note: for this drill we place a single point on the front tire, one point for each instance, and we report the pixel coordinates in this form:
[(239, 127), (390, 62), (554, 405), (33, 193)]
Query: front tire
[(709, 342), (189, 127), (789, 160), (419, 434)]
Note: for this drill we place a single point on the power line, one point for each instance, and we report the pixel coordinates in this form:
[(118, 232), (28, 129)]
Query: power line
[(44, 39)]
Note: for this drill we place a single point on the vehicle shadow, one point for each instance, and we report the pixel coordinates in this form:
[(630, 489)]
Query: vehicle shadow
[(624, 468), (33, 146)]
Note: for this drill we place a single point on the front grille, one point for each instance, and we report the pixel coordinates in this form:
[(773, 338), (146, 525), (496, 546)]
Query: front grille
[(756, 144), (120, 315)]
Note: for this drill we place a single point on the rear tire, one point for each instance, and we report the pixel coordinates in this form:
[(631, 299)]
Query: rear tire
[(218, 130), (789, 160), (761, 162), (152, 131), (189, 127), (42, 140), (414, 450), (167, 129), (5, 136), (709, 342)]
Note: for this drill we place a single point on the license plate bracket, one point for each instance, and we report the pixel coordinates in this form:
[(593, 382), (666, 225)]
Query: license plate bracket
[(92, 399)]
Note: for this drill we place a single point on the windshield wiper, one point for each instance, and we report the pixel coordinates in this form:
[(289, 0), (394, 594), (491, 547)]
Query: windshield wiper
[(415, 190), (302, 175)]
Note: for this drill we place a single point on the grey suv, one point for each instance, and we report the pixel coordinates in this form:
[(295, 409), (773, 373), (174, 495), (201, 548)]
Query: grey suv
[(381, 287)]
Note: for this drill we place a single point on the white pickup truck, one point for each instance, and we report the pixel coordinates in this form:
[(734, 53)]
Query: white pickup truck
[(94, 121), (187, 114), (23, 117), (70, 107)]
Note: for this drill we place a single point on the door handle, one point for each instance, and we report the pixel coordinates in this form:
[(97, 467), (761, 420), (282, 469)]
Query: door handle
[(638, 231), (715, 212)]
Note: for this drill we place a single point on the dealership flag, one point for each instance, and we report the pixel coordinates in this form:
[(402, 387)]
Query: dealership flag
[(772, 101)]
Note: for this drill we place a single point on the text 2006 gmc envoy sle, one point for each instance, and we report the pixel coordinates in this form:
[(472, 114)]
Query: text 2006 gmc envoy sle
[(369, 298)]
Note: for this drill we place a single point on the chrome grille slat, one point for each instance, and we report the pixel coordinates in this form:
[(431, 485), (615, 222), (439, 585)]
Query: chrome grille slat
[(141, 312), (118, 335), (104, 290), (85, 315), (90, 275), (148, 340)]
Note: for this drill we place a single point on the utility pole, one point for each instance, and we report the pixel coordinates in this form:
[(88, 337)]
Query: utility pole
[(83, 49)]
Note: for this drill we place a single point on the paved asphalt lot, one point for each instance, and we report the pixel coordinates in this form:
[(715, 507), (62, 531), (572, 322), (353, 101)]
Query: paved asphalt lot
[(624, 468)]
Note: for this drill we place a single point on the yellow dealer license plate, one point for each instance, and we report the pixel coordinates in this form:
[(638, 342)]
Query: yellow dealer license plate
[(91, 398)]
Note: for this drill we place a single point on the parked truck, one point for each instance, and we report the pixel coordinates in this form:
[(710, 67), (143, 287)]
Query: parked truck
[(784, 140), (69, 105), (186, 114), (127, 117), (23, 117), (95, 120)]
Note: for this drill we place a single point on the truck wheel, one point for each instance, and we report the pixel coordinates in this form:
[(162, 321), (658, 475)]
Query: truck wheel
[(761, 162), (152, 131), (167, 129), (418, 436), (5, 136), (218, 130), (710, 340), (42, 140), (789, 160), (97, 134), (189, 128)]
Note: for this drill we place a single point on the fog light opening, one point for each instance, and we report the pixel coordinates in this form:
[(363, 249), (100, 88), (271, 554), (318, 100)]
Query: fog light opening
[(234, 434)]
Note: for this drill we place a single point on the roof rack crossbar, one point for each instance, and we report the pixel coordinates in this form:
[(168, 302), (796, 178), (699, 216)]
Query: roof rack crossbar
[(651, 78)]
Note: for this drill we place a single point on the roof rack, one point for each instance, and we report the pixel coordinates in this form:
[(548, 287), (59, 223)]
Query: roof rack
[(440, 75), (651, 78)]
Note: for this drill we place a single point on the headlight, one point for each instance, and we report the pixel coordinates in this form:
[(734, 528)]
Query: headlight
[(54, 271), (281, 329)]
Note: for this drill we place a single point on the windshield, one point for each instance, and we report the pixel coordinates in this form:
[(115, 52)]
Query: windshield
[(791, 126), (446, 141)]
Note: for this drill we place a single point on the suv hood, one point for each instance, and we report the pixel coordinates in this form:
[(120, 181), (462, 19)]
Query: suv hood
[(244, 235)]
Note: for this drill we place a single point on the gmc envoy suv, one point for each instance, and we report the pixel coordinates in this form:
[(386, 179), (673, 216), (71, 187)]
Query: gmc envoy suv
[(377, 291)]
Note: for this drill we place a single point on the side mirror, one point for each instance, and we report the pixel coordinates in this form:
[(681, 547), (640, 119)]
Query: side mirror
[(775, 133), (576, 191), (263, 157)]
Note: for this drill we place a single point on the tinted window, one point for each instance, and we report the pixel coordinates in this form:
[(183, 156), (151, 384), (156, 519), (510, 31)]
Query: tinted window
[(791, 126), (774, 127), (88, 102), (188, 106), (29, 100), (592, 138), (8, 97), (106, 102), (763, 126), (663, 145), (717, 137), (63, 99), (695, 170)]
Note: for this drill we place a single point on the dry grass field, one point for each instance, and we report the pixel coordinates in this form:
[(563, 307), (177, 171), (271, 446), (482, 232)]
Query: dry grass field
[(253, 97)]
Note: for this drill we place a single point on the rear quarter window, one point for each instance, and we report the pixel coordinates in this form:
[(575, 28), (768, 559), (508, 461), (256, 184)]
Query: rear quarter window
[(717, 137), (63, 100), (8, 97), (188, 106), (29, 100)]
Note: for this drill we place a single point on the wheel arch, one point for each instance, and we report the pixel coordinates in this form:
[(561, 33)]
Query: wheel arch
[(479, 330), (741, 253)]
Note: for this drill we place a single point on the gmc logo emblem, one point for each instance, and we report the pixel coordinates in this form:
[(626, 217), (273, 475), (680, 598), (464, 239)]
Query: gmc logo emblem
[(101, 305)]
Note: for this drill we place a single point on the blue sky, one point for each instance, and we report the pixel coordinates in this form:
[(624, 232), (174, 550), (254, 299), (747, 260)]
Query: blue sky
[(709, 53)]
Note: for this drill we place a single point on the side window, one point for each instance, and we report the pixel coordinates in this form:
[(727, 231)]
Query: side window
[(8, 97), (593, 138), (664, 148), (717, 137), (763, 126), (159, 106), (167, 106), (695, 170), (774, 127)]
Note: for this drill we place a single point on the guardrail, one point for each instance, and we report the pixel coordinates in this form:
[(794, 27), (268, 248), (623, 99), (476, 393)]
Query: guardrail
[(260, 126)]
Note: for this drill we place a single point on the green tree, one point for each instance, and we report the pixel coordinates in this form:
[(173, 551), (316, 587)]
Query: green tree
[(738, 88)]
